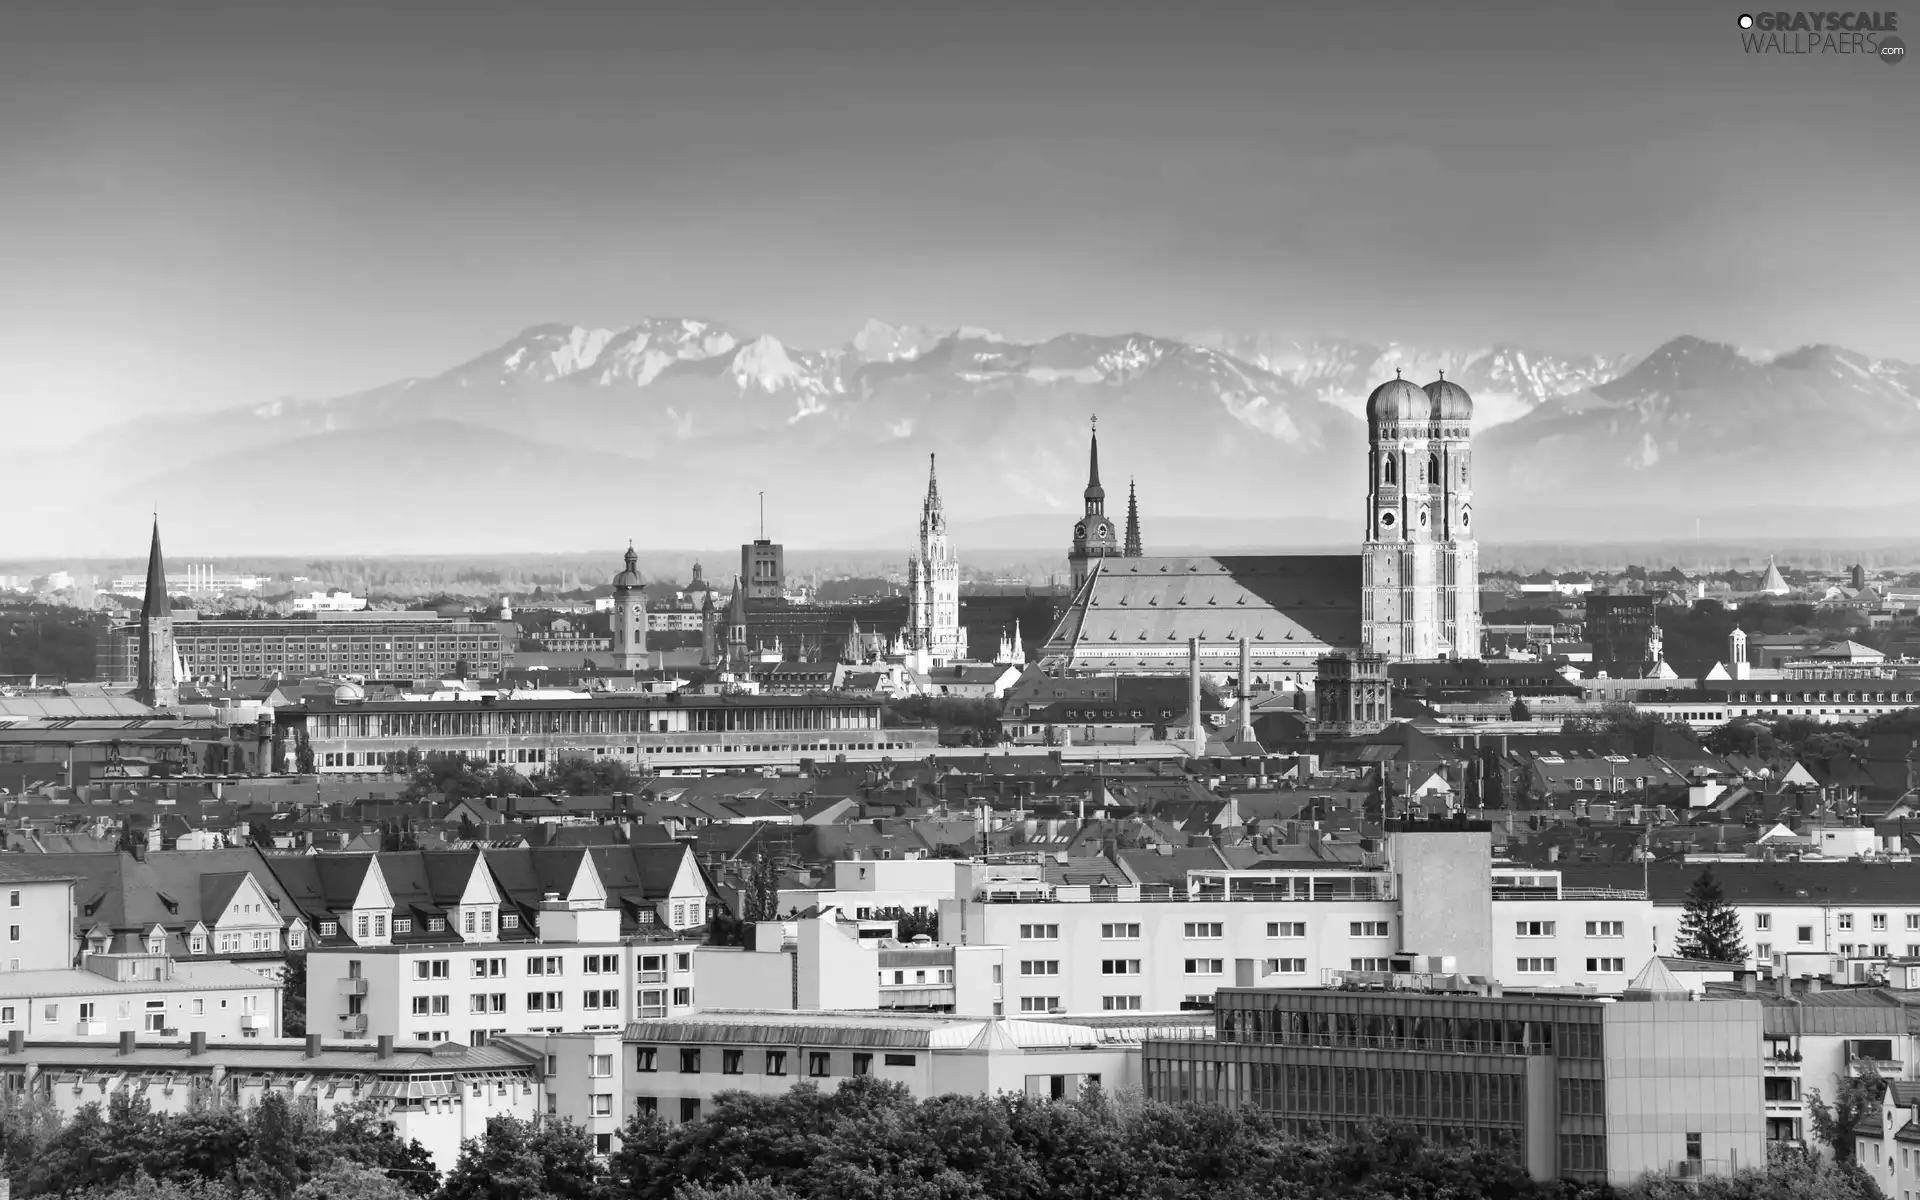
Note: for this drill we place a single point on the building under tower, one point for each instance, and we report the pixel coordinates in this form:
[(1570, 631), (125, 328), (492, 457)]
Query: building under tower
[(1411, 594), (933, 635)]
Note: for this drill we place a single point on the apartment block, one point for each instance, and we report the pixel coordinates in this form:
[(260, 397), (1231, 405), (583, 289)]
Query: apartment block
[(1573, 1087), (148, 996)]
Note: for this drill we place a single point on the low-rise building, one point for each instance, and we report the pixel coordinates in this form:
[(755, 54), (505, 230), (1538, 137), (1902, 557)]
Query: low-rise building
[(438, 1096), (1575, 1088), (114, 995)]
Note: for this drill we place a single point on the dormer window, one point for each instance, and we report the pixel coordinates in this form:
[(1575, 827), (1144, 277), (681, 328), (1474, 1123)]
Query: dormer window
[(509, 920), (403, 924), (329, 929), (199, 945), (296, 940), (436, 925), (157, 945)]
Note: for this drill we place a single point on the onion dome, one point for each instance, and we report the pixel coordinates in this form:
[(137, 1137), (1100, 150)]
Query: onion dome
[(1450, 400), (1398, 400), (630, 578)]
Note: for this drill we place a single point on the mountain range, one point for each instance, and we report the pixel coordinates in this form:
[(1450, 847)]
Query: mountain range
[(665, 431)]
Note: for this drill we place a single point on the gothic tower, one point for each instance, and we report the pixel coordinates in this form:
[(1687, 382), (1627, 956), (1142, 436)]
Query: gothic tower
[(159, 678), (933, 586), (1420, 565), (737, 628), (630, 616), (709, 619), (1093, 534), (1133, 522)]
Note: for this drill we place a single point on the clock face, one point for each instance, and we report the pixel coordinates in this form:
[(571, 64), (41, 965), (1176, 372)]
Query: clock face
[(1466, 518), (1423, 518), (1104, 530), (1080, 530), (1387, 520)]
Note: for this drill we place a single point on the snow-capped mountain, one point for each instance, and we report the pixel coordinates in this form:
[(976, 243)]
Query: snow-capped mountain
[(663, 431), (1506, 381)]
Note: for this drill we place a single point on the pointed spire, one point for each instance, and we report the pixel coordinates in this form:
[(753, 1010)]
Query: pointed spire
[(1094, 490), (156, 603), (1132, 549), (632, 559), (933, 483)]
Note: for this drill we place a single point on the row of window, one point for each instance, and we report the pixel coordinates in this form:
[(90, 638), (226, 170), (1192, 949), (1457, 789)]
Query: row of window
[(1203, 930), (1595, 929), (548, 965), (596, 1000), (733, 1062)]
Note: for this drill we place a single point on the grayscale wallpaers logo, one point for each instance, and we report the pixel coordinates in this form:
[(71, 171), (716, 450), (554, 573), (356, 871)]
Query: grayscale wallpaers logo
[(1867, 34)]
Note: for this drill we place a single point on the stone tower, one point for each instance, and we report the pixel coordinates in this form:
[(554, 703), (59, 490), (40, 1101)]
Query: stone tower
[(933, 586), (1093, 535), (709, 623), (159, 677), (1133, 522), (630, 616), (1420, 564), (737, 627)]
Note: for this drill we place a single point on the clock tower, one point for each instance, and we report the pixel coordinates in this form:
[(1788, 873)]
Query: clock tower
[(1093, 533)]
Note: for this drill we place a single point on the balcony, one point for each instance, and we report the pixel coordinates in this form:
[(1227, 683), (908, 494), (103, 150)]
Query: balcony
[(354, 1024), (353, 987), (91, 1029), (652, 1011), (653, 977), (253, 1020), (1782, 1062)]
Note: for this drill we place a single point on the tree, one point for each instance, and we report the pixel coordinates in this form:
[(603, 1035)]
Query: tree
[(585, 775), (908, 923), (516, 1159), (343, 1180), (303, 755), (1857, 1100), (1709, 927)]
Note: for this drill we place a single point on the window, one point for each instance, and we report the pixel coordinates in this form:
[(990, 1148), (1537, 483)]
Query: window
[(689, 1109), (1039, 933), (690, 1062), (329, 929), (1119, 1003), (1913, 920), (379, 924), (863, 1064), (1846, 921), (1533, 928), (1039, 966), (899, 1060), (509, 920), (730, 1061), (776, 1062), (1878, 922), (1804, 934), (1764, 951), (1286, 966), (1205, 966), (431, 968), (1607, 966), (646, 1058), (819, 1064), (7, 1016), (599, 964), (682, 997), (1119, 966), (598, 1000), (1367, 929), (360, 926), (602, 1106), (1606, 929), (1534, 966), (1287, 929), (1763, 921), (683, 962), (550, 965), (1120, 931), (1369, 964), (543, 1002), (1204, 929), (13, 899), (403, 924), (1039, 1004), (489, 968)]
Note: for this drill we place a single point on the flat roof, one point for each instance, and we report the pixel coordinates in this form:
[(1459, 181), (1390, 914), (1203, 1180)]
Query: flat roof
[(72, 981), (269, 1054)]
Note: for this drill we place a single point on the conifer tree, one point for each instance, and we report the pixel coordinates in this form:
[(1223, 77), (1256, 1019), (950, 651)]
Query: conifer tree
[(1709, 927)]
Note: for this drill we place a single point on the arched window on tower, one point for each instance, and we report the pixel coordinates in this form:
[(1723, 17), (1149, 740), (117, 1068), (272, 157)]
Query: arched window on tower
[(1433, 468), (1386, 470)]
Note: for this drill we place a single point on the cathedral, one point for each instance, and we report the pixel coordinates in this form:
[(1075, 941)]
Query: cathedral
[(1411, 594), (933, 635)]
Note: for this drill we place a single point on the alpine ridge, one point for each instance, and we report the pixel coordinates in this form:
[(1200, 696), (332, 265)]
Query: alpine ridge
[(570, 436)]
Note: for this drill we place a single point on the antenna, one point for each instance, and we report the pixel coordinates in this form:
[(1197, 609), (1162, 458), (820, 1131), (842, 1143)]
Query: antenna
[(763, 516)]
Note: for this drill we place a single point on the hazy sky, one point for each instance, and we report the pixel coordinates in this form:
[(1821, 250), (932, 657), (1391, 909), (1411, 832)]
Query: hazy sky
[(210, 204)]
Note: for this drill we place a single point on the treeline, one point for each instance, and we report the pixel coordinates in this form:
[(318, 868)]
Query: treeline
[(868, 1140), (48, 639)]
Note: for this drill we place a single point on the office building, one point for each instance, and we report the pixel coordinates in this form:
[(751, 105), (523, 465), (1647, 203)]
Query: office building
[(1573, 1087), (1624, 632), (375, 645)]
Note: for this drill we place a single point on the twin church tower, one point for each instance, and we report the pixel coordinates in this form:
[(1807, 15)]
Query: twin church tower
[(1418, 571)]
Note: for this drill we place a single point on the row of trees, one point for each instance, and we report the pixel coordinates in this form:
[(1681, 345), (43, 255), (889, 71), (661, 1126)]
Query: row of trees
[(868, 1140)]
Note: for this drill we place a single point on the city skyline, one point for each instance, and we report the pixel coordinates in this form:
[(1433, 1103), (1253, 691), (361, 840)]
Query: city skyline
[(218, 211)]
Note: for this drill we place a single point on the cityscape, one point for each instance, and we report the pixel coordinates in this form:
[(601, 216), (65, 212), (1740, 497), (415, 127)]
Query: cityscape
[(1231, 764)]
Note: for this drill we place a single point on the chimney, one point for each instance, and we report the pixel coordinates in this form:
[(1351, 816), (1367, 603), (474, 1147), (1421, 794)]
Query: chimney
[(1786, 986), (16, 1041), (1193, 697), (196, 1043), (313, 1045), (1246, 685), (1813, 985), (127, 1040), (1750, 982), (384, 1047)]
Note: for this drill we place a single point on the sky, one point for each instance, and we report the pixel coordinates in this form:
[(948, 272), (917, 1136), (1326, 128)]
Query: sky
[(215, 204)]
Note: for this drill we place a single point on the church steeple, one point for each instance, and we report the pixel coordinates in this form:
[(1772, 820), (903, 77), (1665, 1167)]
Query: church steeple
[(1133, 523), (159, 681), (1096, 495), (1093, 535)]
